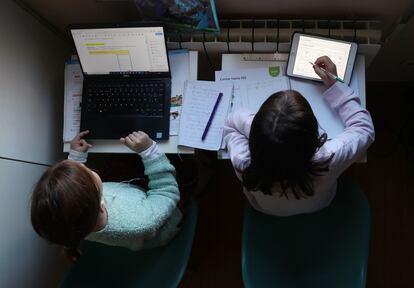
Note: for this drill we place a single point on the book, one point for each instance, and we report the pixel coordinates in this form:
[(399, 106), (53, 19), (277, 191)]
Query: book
[(190, 15)]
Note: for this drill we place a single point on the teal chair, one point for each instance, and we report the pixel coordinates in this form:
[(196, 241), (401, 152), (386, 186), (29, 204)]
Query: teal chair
[(328, 248), (105, 266)]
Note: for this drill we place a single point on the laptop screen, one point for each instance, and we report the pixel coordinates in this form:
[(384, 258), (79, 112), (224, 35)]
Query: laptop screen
[(121, 50)]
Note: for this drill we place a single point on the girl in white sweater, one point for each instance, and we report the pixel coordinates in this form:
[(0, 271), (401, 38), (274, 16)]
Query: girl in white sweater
[(285, 166)]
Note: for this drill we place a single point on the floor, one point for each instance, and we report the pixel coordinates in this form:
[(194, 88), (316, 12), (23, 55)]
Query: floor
[(216, 253)]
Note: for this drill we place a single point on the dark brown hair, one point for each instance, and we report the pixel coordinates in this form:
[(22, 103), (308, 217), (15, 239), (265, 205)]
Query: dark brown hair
[(65, 205), (283, 139)]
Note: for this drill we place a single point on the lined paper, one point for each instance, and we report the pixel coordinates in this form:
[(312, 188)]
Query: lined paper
[(198, 103)]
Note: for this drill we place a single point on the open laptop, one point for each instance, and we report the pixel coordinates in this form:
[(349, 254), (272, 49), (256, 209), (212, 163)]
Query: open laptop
[(127, 80)]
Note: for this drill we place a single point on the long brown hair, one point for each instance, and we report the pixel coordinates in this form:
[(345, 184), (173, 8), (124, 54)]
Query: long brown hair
[(283, 139), (65, 205)]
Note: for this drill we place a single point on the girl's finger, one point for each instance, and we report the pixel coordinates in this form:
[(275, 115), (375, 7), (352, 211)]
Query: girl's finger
[(133, 137), (81, 134), (129, 142)]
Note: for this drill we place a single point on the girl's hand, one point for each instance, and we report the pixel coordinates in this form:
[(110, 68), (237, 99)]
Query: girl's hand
[(79, 144), (137, 141), (326, 63)]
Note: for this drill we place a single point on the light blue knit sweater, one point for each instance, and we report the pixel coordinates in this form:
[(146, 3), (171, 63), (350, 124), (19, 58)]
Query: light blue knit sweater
[(139, 219)]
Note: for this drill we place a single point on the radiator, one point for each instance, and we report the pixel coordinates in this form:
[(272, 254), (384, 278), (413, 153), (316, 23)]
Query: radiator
[(273, 36)]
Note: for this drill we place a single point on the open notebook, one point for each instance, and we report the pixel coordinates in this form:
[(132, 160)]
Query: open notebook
[(198, 103)]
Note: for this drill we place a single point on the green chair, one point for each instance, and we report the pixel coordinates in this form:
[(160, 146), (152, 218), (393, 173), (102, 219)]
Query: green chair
[(328, 248), (106, 266)]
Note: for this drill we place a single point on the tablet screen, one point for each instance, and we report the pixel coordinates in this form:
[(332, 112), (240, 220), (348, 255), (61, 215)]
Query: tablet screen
[(310, 48)]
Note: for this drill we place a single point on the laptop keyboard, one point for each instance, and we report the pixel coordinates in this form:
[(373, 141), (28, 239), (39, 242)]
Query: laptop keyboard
[(139, 98)]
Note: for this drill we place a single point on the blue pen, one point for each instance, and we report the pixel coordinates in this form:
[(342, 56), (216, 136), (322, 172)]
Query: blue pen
[(328, 73), (212, 116)]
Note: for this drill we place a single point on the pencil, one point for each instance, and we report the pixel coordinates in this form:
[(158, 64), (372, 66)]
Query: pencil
[(328, 73), (211, 116)]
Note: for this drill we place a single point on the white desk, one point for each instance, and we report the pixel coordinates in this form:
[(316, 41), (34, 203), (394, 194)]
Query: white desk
[(168, 146)]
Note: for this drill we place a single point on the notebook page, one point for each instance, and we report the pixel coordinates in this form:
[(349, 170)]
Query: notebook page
[(199, 100)]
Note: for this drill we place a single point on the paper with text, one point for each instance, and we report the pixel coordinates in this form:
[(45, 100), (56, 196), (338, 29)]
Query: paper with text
[(180, 72), (237, 77), (199, 100), (72, 100)]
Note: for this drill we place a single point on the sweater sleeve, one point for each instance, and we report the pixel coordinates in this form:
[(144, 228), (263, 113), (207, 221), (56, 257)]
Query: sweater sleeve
[(77, 156), (163, 194), (358, 134), (151, 152), (236, 137)]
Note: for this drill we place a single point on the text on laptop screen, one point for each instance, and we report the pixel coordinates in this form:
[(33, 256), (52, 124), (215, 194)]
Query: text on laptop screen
[(309, 49), (120, 50)]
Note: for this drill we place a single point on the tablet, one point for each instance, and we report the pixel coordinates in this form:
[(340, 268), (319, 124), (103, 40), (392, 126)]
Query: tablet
[(307, 48)]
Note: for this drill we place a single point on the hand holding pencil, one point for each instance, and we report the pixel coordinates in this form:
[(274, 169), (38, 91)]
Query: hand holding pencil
[(326, 69)]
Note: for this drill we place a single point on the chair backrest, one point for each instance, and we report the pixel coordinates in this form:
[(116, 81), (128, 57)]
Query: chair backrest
[(162, 267), (328, 248)]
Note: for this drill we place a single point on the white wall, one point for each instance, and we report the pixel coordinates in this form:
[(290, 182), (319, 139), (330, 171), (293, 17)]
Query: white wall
[(26, 260), (31, 87), (31, 96)]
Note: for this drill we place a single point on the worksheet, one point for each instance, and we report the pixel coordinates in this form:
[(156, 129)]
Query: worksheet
[(72, 98), (180, 72), (198, 103), (242, 76)]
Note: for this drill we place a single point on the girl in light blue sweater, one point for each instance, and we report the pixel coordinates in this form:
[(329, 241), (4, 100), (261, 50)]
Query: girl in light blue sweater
[(70, 203)]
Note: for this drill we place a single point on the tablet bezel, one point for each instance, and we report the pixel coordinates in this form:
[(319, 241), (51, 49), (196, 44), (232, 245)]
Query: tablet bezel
[(294, 48)]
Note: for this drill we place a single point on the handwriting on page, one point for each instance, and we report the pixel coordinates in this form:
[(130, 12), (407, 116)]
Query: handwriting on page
[(199, 100)]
